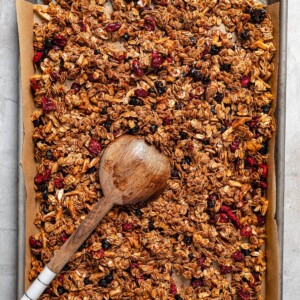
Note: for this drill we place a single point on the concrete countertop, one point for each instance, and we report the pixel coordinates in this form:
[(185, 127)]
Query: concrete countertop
[(8, 153)]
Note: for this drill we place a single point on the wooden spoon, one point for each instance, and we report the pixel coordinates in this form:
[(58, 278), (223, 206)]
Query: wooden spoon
[(131, 171)]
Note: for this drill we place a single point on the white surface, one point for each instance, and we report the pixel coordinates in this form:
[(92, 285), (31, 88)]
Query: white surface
[(39, 285), (8, 153)]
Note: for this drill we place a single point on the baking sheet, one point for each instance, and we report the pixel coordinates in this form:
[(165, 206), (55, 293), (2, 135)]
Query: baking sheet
[(28, 206)]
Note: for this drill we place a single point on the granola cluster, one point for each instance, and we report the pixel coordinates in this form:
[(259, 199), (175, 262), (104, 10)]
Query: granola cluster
[(192, 78)]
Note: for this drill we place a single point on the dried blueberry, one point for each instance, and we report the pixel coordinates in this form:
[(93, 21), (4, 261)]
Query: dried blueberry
[(106, 125), (193, 40), (153, 128), (134, 130), (245, 35), (151, 225), (138, 212), (246, 252), (46, 209), (191, 256), (48, 43), (178, 297), (151, 91), (91, 170), (61, 290), (49, 154), (225, 67), (174, 173), (135, 101), (214, 50), (126, 37), (87, 281), (45, 195), (103, 283), (205, 80), (258, 15), (183, 135), (188, 240), (186, 160), (97, 51), (264, 149), (266, 108), (105, 244), (213, 109), (218, 97)]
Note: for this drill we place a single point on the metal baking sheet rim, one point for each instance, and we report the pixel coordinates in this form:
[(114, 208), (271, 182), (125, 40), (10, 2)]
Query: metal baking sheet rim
[(279, 155)]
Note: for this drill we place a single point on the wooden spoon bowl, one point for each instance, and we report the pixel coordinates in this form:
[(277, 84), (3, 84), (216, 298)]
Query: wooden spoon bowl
[(131, 171)]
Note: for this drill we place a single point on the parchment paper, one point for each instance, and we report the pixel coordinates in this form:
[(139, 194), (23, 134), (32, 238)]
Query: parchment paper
[(25, 25)]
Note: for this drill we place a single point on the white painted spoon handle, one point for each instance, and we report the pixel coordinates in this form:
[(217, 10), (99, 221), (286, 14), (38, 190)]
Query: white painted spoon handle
[(39, 285)]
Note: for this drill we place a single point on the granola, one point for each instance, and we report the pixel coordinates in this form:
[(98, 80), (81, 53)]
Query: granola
[(192, 78)]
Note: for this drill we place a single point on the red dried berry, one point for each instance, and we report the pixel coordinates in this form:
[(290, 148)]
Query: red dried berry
[(246, 230), (46, 175), (34, 85), (261, 220), (48, 104), (59, 183), (82, 26), (127, 226), (39, 179), (205, 51), (201, 260), (197, 282), (167, 121), (170, 59), (134, 266), (244, 295), (75, 87), (225, 208), (98, 254), (149, 24), (38, 56), (263, 185), (234, 146), (61, 278), (112, 27), (141, 93), (223, 218), (245, 81), (136, 68), (157, 60), (264, 169), (234, 219), (120, 57), (173, 289), (160, 2), (225, 269), (60, 40), (238, 256), (64, 237), (251, 161), (54, 76), (34, 243), (94, 147)]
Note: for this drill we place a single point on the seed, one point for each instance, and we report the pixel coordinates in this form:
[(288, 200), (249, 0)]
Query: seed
[(258, 15), (191, 256), (211, 203), (245, 35), (218, 97), (105, 244), (188, 240), (214, 50), (153, 128), (112, 27), (103, 111), (135, 101)]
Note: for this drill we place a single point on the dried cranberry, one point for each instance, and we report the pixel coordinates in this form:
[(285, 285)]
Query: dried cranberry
[(98, 254), (134, 266), (59, 183), (64, 237), (54, 76), (234, 219), (136, 68), (167, 121), (205, 51), (39, 179), (34, 243), (95, 147), (263, 185), (251, 161), (82, 26), (38, 56), (225, 269), (173, 289), (261, 220), (223, 218), (141, 93), (127, 227), (246, 230), (196, 282), (245, 81), (201, 260), (244, 295), (157, 60), (149, 24), (34, 85), (264, 169), (60, 40), (48, 104), (112, 27), (75, 87), (238, 256), (234, 146), (46, 175)]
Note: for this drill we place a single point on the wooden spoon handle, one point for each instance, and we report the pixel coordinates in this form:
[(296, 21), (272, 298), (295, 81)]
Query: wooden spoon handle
[(102, 207), (64, 254)]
